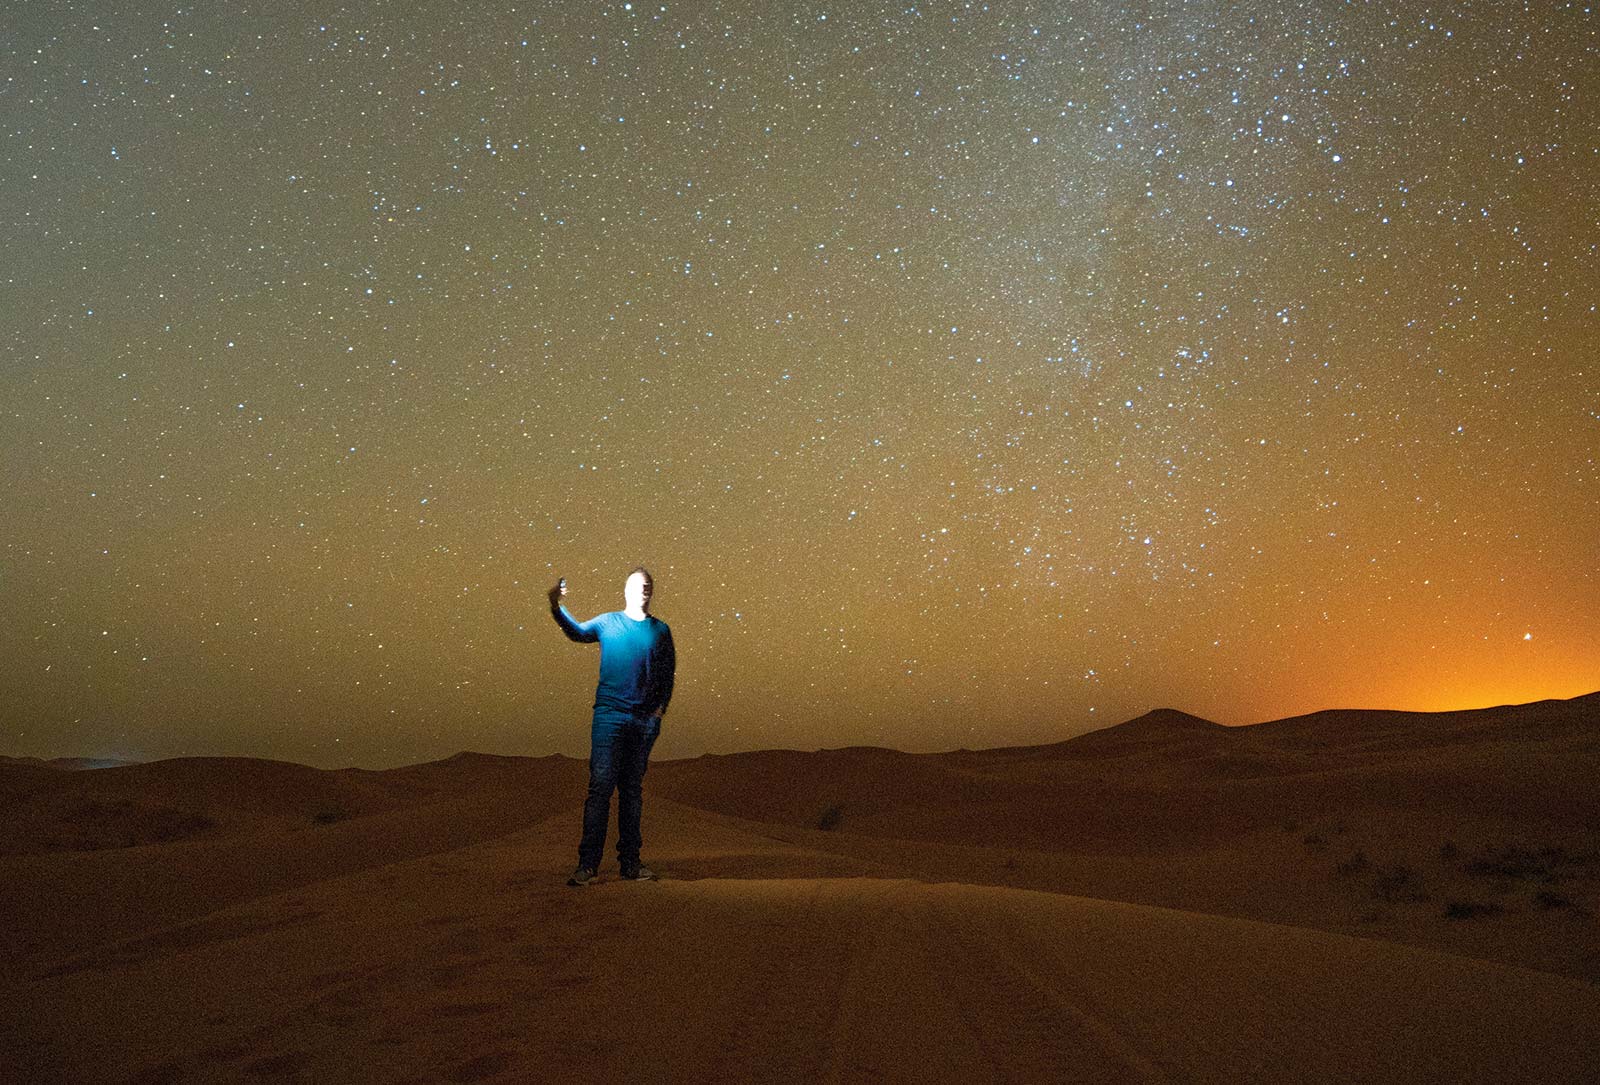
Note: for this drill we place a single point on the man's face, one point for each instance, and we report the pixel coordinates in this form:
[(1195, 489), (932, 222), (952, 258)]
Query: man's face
[(636, 592)]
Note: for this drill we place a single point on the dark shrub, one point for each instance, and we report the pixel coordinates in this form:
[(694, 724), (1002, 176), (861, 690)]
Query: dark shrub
[(1396, 882), (1514, 862), (1353, 865)]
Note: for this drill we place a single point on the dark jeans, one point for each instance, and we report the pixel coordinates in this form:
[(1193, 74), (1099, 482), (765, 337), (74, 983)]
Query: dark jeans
[(619, 753)]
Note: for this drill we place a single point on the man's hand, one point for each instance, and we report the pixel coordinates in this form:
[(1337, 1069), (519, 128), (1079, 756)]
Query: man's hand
[(557, 592)]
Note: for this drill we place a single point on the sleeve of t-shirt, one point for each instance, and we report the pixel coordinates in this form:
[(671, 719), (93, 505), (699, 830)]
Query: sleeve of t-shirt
[(582, 632)]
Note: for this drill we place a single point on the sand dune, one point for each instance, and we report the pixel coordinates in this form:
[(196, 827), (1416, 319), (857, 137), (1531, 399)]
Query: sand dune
[(1163, 900)]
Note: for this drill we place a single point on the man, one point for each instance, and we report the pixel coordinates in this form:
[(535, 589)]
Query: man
[(636, 670)]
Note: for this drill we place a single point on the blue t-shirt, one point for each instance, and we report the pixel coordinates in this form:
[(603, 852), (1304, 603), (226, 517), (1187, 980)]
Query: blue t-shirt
[(636, 659)]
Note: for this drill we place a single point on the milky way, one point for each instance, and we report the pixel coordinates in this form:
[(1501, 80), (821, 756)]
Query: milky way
[(968, 375)]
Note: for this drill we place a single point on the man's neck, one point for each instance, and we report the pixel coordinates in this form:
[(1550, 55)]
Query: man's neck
[(636, 615)]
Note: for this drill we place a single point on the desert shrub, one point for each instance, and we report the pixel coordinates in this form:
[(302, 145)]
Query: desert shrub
[(1470, 909), (1395, 882), (328, 815), (1549, 900), (1353, 865), (1448, 851), (1314, 841), (1519, 863), (829, 819)]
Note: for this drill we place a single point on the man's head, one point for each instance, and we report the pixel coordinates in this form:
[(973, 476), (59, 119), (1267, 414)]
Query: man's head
[(638, 589)]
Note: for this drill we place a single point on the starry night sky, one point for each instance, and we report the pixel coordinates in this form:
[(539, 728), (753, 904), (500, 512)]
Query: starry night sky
[(967, 374)]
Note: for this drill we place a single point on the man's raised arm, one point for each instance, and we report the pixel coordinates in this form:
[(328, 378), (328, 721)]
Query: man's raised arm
[(582, 632)]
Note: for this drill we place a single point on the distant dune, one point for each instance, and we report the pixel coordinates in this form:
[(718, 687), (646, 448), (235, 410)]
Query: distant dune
[(71, 763), (1349, 895)]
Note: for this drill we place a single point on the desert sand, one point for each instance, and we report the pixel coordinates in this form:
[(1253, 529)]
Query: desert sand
[(1348, 896)]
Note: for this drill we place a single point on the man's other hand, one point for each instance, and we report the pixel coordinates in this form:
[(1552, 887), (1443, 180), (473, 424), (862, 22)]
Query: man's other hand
[(556, 592)]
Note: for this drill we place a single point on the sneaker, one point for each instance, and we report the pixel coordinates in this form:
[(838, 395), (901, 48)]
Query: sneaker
[(640, 873), (583, 876)]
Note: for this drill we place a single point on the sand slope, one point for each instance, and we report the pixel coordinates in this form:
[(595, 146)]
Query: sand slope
[(477, 965), (1163, 900)]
